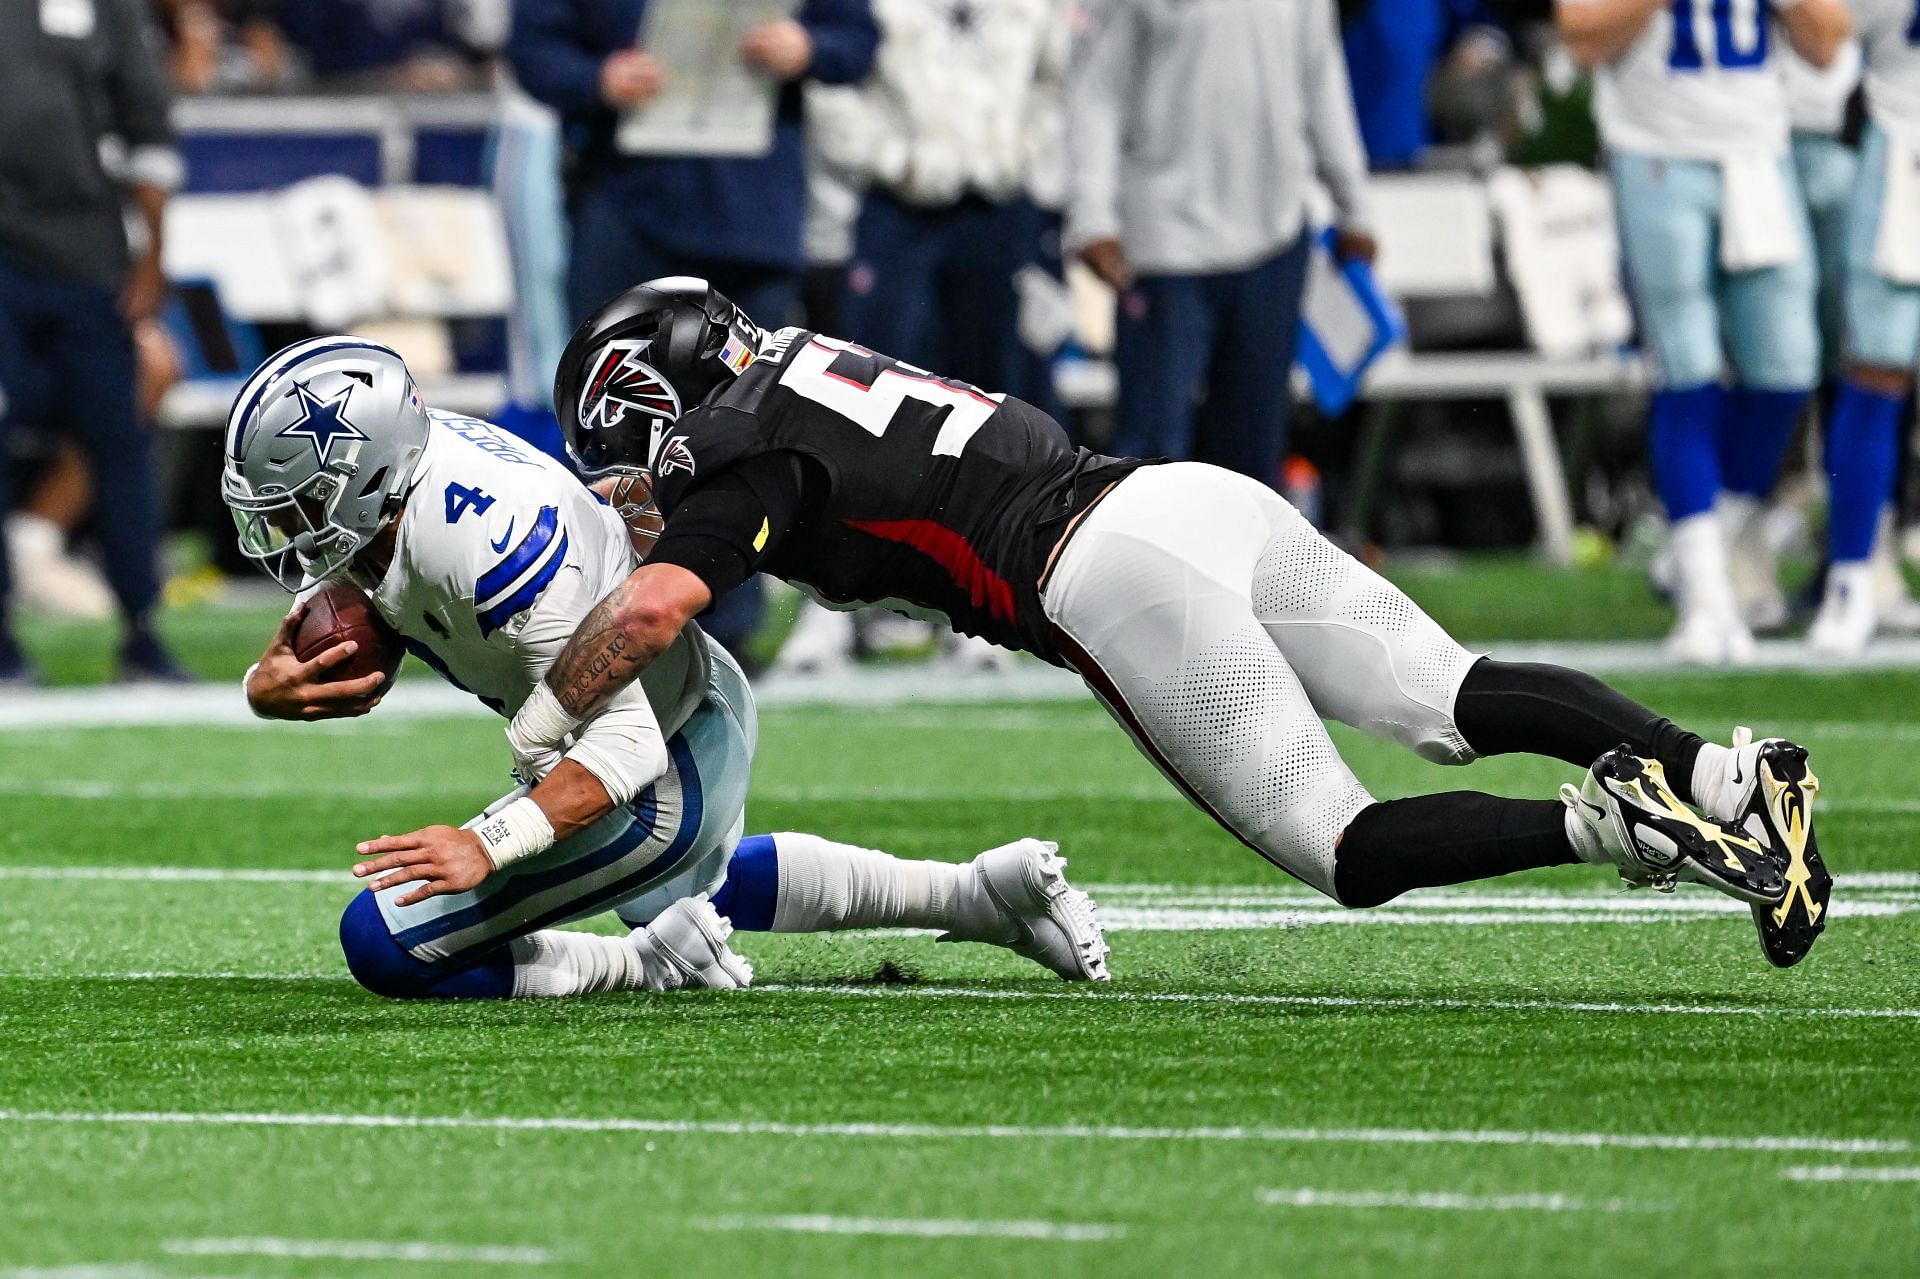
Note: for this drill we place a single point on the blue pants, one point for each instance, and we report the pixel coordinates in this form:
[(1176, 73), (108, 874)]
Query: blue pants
[(611, 253), (1883, 318), (934, 287), (70, 332), (1826, 166), (1693, 314), (1228, 336)]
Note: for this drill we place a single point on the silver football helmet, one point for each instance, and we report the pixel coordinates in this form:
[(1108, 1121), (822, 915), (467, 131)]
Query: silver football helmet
[(322, 442)]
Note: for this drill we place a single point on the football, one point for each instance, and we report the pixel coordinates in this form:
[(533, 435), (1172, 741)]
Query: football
[(340, 612)]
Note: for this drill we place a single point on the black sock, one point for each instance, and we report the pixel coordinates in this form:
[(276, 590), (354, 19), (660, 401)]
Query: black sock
[(1531, 708), (1430, 840)]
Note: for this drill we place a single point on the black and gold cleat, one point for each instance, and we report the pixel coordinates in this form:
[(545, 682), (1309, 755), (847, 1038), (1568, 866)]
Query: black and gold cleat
[(1634, 822), (1780, 810)]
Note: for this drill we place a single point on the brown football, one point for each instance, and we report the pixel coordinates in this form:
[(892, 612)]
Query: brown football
[(339, 612)]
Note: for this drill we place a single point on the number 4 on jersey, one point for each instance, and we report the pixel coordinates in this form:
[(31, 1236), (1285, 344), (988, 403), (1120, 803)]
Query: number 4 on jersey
[(872, 404), (461, 499)]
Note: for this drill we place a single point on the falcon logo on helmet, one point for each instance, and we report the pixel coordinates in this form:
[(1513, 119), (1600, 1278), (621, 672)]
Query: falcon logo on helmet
[(623, 380)]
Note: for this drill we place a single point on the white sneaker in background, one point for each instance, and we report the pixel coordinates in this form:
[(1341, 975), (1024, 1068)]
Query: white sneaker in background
[(1899, 612), (969, 655), (1709, 631), (49, 581), (1753, 562), (821, 642), (1847, 618)]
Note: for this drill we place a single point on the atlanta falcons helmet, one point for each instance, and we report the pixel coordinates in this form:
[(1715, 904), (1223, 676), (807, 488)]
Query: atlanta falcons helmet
[(321, 444), (642, 360)]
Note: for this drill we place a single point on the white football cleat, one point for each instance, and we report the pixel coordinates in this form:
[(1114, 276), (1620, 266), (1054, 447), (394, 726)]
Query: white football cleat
[(1766, 790), (1624, 815), (1035, 913), (685, 947), (821, 642), (1848, 616)]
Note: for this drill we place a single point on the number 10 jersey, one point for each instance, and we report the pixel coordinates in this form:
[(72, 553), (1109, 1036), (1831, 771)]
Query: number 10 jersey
[(927, 492)]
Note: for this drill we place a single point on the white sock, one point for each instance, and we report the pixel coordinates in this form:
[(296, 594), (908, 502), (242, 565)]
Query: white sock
[(34, 537), (551, 963), (1585, 839), (1700, 550), (1710, 775), (824, 886)]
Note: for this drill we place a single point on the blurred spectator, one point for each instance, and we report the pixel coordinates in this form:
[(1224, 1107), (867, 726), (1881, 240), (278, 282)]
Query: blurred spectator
[(735, 221), (1393, 48), (76, 72), (223, 45), (1195, 133), (409, 46), (946, 135)]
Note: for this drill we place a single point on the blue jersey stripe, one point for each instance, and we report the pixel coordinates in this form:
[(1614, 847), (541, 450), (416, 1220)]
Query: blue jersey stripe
[(237, 420), (520, 558), (497, 616), (645, 808)]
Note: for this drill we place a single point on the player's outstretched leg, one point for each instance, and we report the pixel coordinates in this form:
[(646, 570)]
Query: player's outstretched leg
[(684, 946), (1016, 896)]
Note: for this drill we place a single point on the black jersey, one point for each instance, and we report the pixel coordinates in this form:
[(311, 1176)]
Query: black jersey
[(936, 494)]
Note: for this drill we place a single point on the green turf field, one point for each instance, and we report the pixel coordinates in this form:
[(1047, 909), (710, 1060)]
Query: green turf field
[(1540, 1076)]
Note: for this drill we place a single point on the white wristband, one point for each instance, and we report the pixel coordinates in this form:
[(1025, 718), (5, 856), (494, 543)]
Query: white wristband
[(515, 833), (246, 687), (540, 722)]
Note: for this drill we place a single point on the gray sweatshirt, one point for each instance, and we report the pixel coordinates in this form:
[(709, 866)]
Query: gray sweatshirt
[(77, 72), (1194, 127)]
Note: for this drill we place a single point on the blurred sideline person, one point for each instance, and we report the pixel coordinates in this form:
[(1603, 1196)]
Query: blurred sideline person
[(1882, 325), (1393, 48), (1212, 621), (485, 554), (944, 137), (1194, 133), (71, 291), (736, 220), (1719, 259)]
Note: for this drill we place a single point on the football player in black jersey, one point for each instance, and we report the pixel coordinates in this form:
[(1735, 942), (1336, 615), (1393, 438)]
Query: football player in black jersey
[(1215, 624)]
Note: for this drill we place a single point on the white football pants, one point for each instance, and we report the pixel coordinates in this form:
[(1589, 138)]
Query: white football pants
[(1219, 627)]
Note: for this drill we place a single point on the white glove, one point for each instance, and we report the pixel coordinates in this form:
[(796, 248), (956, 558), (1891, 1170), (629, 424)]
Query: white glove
[(685, 947), (538, 734)]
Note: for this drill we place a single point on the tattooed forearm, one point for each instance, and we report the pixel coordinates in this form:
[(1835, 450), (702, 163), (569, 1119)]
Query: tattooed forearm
[(599, 660)]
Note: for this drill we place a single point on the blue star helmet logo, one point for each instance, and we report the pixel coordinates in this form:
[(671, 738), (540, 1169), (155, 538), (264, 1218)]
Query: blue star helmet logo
[(322, 421)]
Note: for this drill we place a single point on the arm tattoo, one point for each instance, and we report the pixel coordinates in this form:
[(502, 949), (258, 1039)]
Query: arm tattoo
[(598, 661)]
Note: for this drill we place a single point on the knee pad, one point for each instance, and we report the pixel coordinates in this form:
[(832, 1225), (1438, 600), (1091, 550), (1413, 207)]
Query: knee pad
[(375, 959), (1366, 654), (1305, 841)]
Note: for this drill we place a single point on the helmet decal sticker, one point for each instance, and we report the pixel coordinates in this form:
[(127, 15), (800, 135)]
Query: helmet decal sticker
[(622, 380), (321, 422)]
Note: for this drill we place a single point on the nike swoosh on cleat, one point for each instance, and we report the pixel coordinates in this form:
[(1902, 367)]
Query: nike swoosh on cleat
[(505, 537)]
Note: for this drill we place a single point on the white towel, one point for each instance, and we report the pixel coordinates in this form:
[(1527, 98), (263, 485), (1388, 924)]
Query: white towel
[(1757, 228), (1896, 250)]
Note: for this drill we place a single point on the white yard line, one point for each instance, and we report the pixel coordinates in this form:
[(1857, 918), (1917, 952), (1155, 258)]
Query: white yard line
[(1846, 1172), (1083, 994), (974, 1132), (1361, 1002), (1311, 1198), (360, 1250), (919, 1227)]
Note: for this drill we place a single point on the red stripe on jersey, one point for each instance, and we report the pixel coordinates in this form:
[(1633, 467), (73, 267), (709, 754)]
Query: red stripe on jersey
[(951, 552)]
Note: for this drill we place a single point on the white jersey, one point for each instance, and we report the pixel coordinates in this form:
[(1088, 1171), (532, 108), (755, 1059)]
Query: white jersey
[(1890, 32), (1699, 89), (501, 553), (1817, 99)]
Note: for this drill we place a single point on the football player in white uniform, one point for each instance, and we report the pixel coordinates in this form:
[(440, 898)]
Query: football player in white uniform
[(484, 554), (1692, 107), (1882, 322)]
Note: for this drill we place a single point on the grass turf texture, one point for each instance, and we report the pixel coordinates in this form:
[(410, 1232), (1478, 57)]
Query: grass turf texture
[(225, 996)]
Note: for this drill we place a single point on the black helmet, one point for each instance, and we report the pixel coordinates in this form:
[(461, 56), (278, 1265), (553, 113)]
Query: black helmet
[(640, 361)]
